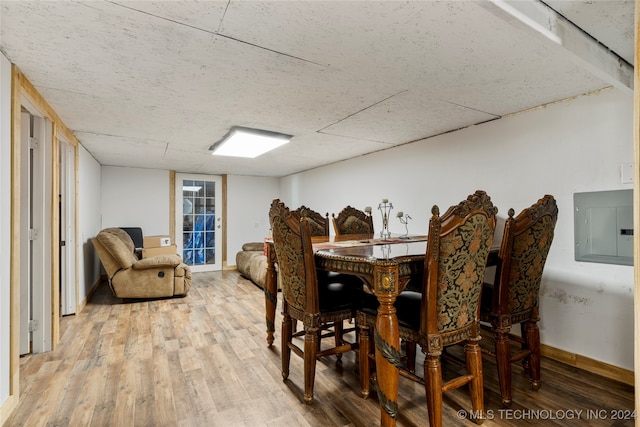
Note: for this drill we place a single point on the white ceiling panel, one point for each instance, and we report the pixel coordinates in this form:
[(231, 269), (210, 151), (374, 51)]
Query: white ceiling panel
[(155, 83), (113, 149), (408, 116)]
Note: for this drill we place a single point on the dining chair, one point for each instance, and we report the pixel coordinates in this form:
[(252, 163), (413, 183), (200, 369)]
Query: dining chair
[(352, 221), (513, 297), (319, 224), (318, 304), (445, 312)]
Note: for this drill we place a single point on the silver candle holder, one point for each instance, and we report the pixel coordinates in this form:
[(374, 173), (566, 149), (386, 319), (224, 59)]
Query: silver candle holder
[(404, 219), (385, 209)]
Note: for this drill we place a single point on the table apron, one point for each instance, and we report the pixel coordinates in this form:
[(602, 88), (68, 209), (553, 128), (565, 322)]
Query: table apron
[(365, 269)]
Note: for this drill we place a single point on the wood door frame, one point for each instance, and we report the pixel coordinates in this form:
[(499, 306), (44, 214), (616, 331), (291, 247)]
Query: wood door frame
[(21, 90), (220, 203), (636, 209), (71, 241), (35, 203), (172, 213)]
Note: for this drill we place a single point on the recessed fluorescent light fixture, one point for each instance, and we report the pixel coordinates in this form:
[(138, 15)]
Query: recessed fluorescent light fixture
[(248, 142)]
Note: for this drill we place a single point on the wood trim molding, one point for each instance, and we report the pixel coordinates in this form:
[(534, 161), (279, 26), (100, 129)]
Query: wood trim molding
[(76, 210), (224, 220), (636, 206), (14, 336), (23, 91), (587, 364), (578, 361), (55, 235), (7, 408), (82, 304), (31, 92), (172, 205)]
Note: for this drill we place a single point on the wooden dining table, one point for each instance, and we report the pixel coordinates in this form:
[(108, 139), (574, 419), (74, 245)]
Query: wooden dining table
[(385, 266)]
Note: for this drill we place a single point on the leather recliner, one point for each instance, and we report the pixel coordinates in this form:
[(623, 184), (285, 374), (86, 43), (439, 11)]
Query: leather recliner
[(129, 277)]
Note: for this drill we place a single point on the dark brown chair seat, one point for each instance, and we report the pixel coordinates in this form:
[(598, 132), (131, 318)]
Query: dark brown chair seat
[(319, 226), (318, 304)]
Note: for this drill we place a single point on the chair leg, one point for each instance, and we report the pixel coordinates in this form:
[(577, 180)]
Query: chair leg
[(337, 332), (410, 348), (503, 360), (433, 389), (476, 386), (363, 354), (526, 365), (533, 340), (310, 356), (286, 336)]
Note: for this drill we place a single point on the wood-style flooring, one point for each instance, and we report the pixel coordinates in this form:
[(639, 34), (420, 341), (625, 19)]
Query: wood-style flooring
[(202, 360)]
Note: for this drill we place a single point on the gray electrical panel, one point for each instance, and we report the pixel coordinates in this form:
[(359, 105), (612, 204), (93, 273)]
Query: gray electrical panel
[(603, 223)]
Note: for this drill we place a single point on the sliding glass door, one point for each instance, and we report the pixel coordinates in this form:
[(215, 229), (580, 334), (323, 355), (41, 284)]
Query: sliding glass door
[(199, 221)]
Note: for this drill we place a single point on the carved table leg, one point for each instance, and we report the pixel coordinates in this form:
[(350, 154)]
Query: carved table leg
[(270, 294), (387, 339)]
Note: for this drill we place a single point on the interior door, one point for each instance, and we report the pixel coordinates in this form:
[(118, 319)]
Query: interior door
[(35, 234), (26, 161), (66, 206), (199, 221)]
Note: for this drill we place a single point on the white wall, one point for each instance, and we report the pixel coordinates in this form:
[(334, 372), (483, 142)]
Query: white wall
[(572, 146), (89, 207), (248, 202), (133, 197), (5, 225)]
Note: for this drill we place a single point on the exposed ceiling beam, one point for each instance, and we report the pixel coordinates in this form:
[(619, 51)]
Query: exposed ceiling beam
[(550, 26)]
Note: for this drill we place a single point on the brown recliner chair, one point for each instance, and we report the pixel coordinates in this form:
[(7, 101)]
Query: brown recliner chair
[(130, 277)]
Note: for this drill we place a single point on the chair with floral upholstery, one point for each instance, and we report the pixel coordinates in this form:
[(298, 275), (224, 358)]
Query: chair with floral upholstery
[(319, 224), (445, 312), (318, 302), (513, 298), (352, 221), (319, 227)]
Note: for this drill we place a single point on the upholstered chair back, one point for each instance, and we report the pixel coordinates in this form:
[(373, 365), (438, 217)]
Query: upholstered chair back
[(526, 243), (318, 224), (296, 266), (352, 221), (457, 250)]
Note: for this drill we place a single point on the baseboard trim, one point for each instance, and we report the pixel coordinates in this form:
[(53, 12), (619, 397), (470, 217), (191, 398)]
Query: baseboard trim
[(94, 288), (7, 408), (590, 365)]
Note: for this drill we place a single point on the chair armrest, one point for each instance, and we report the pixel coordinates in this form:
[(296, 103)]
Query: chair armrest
[(158, 261)]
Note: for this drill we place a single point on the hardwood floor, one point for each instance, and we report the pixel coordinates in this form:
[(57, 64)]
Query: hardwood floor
[(202, 360)]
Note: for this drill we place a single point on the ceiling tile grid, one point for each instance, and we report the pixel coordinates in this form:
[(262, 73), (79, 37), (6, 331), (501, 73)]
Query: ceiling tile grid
[(155, 83)]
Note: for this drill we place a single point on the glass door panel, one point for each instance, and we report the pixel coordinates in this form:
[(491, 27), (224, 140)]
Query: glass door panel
[(199, 221)]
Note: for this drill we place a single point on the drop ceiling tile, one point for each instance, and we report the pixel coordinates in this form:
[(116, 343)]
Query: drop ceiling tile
[(406, 117), (346, 78)]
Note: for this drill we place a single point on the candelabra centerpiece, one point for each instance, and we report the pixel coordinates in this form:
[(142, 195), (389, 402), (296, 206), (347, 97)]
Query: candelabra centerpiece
[(404, 219), (385, 209)]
